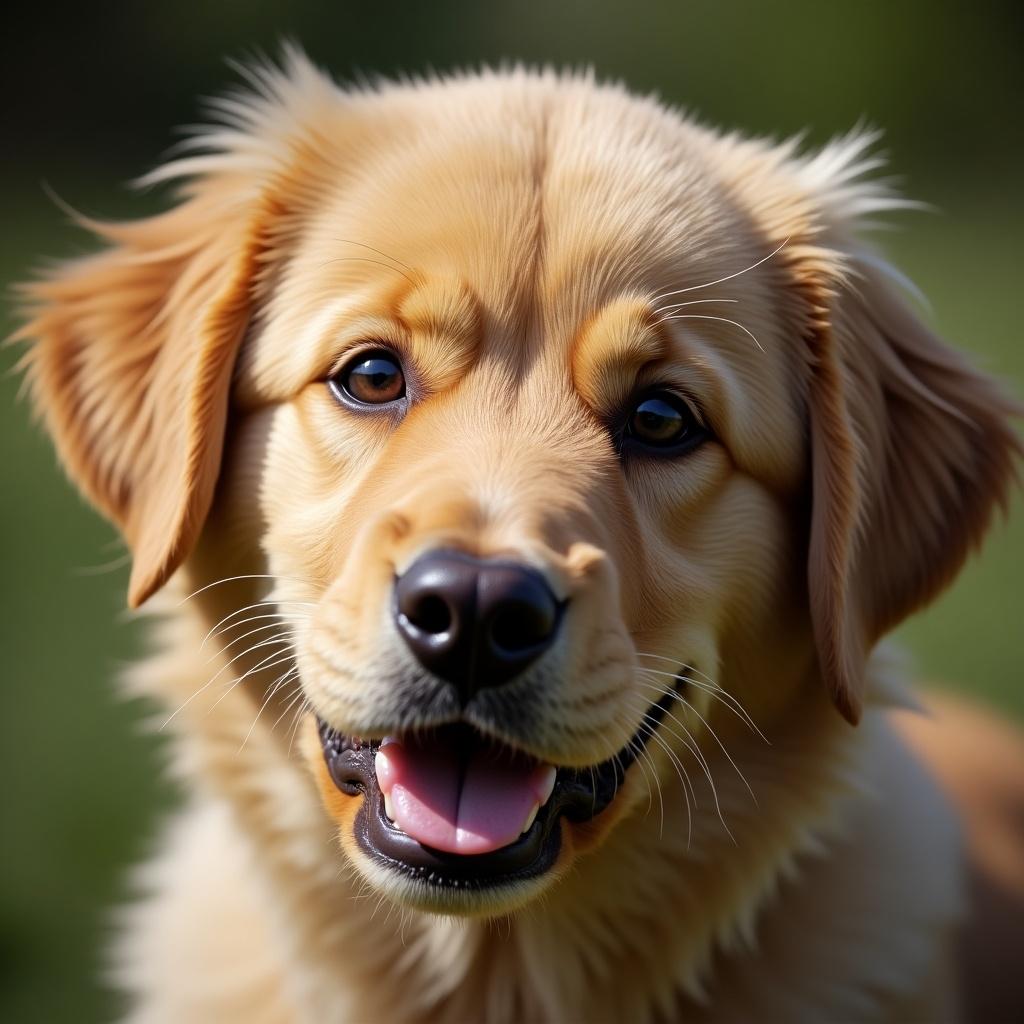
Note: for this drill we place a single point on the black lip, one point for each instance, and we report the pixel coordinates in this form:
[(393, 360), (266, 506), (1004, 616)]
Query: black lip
[(579, 795)]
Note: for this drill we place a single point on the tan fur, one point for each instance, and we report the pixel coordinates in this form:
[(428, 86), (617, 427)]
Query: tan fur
[(513, 237)]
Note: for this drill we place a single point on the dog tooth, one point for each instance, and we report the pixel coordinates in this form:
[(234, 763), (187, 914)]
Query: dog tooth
[(531, 818), (546, 784), (388, 809)]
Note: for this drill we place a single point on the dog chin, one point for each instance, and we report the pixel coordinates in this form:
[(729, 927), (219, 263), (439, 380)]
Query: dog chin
[(497, 899)]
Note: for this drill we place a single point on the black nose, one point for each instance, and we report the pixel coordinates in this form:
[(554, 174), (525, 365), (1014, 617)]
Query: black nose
[(473, 621)]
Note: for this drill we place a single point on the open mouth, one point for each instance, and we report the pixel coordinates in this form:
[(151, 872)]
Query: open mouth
[(455, 809)]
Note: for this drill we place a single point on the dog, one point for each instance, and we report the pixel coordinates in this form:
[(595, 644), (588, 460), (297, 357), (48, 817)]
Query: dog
[(522, 478)]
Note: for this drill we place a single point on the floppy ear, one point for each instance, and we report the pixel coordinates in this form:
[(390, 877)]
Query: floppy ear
[(133, 354), (911, 452), (133, 349)]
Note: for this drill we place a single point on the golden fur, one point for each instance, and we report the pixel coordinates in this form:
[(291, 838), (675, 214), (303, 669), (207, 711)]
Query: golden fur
[(524, 241)]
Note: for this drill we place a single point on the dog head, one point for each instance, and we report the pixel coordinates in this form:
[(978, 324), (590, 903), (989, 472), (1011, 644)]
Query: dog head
[(553, 417)]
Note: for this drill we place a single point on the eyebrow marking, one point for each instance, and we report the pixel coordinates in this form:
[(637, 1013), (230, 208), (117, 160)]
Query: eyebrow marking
[(611, 352)]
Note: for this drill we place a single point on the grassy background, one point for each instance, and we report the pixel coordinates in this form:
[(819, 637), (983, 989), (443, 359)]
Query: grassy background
[(92, 104)]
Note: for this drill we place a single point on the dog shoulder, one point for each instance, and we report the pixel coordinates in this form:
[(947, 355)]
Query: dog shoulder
[(979, 761)]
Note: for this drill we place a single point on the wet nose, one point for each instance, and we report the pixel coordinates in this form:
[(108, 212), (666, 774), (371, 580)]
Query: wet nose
[(474, 622)]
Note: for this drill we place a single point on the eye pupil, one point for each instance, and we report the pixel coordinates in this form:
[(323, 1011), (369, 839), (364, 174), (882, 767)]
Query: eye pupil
[(373, 379), (662, 423), (658, 421)]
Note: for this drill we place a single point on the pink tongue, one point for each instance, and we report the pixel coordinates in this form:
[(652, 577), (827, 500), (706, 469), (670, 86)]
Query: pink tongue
[(458, 806)]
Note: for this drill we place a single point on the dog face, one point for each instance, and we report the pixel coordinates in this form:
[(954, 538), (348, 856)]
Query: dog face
[(563, 427)]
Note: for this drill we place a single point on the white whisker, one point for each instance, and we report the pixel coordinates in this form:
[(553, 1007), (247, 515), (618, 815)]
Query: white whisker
[(728, 277), (245, 576), (714, 735), (680, 770), (722, 319), (292, 701), (636, 750), (288, 630), (658, 688), (673, 306), (209, 682), (250, 607), (281, 680), (262, 666), (712, 688), (303, 708), (691, 745)]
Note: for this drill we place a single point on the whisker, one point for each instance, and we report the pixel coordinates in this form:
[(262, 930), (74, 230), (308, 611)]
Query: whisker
[(714, 735), (687, 741), (680, 769), (636, 750), (302, 709), (261, 666), (684, 664), (209, 682), (729, 701), (650, 725), (722, 319), (281, 680), (250, 607), (292, 701), (683, 673), (387, 256), (728, 277), (714, 690), (244, 576), (673, 306), (659, 689), (366, 259), (641, 756), (288, 631), (283, 619), (621, 773), (691, 745)]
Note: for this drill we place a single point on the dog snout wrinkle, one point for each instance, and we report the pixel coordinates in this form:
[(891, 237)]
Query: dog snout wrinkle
[(474, 622)]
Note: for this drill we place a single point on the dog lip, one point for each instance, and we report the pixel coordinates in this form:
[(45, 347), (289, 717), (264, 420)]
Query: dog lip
[(579, 795), (533, 853)]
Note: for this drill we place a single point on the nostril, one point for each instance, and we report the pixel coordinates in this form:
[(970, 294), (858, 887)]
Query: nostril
[(474, 622), (520, 627), (430, 614)]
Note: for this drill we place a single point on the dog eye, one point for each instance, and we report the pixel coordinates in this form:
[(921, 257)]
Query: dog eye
[(371, 378), (664, 421)]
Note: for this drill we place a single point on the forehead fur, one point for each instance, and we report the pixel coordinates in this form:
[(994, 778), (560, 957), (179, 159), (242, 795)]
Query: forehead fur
[(526, 186), (512, 210)]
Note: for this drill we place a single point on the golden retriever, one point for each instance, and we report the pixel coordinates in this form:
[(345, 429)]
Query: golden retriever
[(528, 474)]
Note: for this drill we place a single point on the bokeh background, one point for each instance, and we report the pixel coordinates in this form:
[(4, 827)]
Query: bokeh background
[(91, 94)]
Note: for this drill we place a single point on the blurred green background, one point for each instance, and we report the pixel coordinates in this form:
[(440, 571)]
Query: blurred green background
[(91, 94)]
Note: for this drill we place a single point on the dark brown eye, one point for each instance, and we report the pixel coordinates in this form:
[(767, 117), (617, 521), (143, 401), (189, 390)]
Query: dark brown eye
[(371, 378), (663, 420)]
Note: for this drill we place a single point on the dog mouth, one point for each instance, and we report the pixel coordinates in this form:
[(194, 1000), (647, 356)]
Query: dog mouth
[(453, 808)]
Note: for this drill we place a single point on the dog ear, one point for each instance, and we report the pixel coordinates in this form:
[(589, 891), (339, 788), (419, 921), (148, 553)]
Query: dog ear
[(911, 452), (132, 349), (130, 367)]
